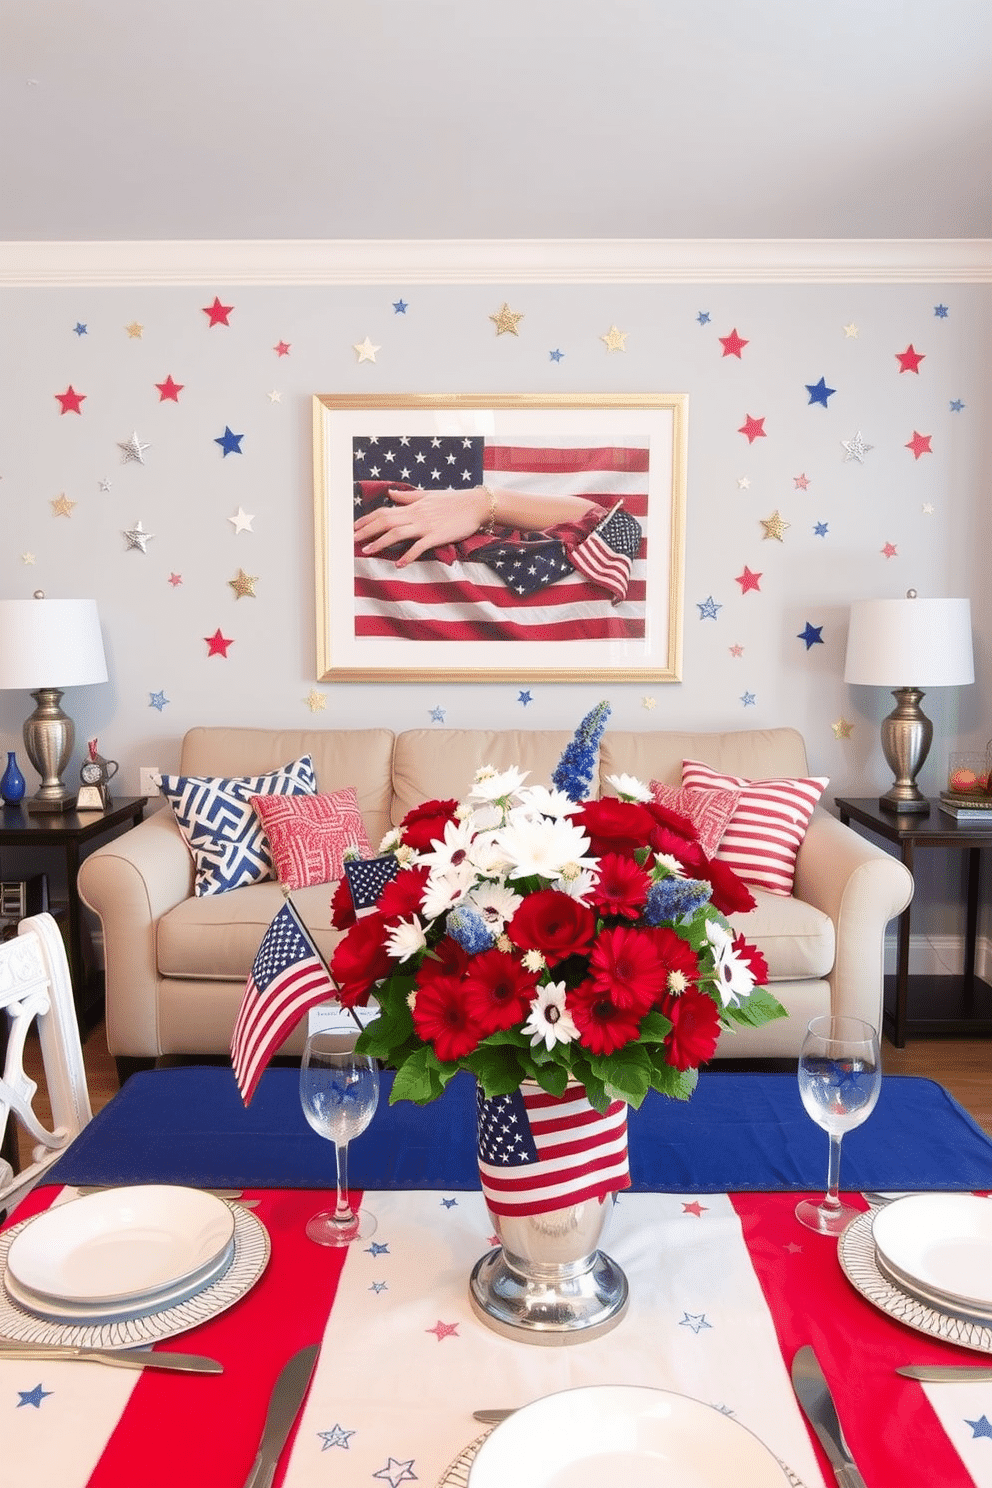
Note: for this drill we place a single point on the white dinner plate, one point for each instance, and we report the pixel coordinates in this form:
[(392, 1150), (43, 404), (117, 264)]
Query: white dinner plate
[(58, 1311), (605, 1436), (942, 1242), (122, 1244)]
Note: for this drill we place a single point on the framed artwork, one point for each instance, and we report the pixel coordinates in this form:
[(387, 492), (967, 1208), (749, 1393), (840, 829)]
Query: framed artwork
[(499, 537)]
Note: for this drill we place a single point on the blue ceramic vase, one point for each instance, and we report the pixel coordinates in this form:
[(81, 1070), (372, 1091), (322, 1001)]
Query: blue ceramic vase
[(11, 781)]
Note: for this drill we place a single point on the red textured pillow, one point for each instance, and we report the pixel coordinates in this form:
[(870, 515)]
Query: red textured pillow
[(767, 829), (708, 810), (308, 835)]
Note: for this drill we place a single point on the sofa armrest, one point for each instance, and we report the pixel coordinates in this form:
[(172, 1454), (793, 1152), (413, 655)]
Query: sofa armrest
[(861, 887), (130, 883)]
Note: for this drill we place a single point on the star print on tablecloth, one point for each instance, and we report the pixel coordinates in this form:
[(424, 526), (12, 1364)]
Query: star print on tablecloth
[(378, 1286), (820, 529), (615, 339), (919, 444), (753, 428), (443, 1330), (316, 701), (736, 650), (134, 330), (506, 320), (132, 450), (707, 608), (703, 317), (981, 1427), (819, 392), (748, 581), (217, 313), (775, 526), (137, 538), (649, 703), (557, 354), (694, 1320), (396, 1472), (281, 348), (217, 644), (62, 506), (244, 585), (940, 311), (909, 360), (801, 482), (157, 700), (241, 520), (79, 328), (71, 400), (524, 698), (792, 1247), (812, 635), (399, 307), (696, 1208), (376, 1249), (175, 580), (843, 729), (851, 332), (229, 442), (33, 1397), (336, 1437), (437, 715), (888, 550), (168, 391), (365, 350), (449, 1203), (733, 344), (856, 448), (748, 699)]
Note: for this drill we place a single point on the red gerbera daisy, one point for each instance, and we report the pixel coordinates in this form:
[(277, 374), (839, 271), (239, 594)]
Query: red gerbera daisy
[(360, 960), (603, 1025), (622, 887), (613, 825), (625, 966), (754, 958), (684, 850), (498, 990), (402, 895), (441, 1015), (448, 959), (679, 960), (342, 907), (695, 1028), (731, 894)]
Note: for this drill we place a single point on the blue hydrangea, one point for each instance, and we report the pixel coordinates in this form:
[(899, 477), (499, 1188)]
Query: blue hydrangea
[(673, 899), (574, 771), (469, 929)]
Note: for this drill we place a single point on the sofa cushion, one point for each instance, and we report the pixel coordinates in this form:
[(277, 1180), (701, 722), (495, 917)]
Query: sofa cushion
[(224, 836), (215, 938), (308, 835), (796, 940), (708, 810), (768, 827)]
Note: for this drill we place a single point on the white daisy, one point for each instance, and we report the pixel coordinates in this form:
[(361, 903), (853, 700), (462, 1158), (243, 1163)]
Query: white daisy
[(391, 841), (539, 801), (405, 939), (453, 851), (493, 785), (733, 976), (549, 1018), (496, 904), (674, 867), (578, 887), (543, 847), (441, 892), (629, 788), (534, 960)]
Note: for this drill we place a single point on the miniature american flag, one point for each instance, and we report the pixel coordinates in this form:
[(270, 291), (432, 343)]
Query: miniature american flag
[(367, 877), (287, 979), (537, 1152), (606, 555)]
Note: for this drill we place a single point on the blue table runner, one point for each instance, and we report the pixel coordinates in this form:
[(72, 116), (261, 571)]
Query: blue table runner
[(738, 1133)]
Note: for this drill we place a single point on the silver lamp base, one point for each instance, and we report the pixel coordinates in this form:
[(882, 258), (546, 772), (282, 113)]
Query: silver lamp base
[(906, 737), (49, 737)]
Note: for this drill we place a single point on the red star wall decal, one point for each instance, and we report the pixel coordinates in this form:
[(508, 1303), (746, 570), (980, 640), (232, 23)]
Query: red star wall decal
[(909, 360), (217, 644), (920, 444), (168, 391), (749, 580), (753, 428), (733, 344), (889, 550), (281, 348), (801, 482), (217, 313), (70, 400)]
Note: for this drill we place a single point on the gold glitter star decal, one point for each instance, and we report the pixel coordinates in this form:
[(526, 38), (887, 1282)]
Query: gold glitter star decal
[(614, 339), (62, 506), (775, 526), (366, 351), (649, 703), (851, 332), (275, 397), (842, 729), (244, 584), (505, 320), (317, 701), (134, 330)]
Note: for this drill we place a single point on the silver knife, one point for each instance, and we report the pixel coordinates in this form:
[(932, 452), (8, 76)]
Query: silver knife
[(287, 1396), (813, 1392), (945, 1374), (141, 1358)]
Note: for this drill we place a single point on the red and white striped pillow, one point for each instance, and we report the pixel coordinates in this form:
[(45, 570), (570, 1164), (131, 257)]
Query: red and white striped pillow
[(766, 831)]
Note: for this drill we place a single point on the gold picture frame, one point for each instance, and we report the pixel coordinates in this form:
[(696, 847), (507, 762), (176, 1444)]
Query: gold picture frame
[(600, 591)]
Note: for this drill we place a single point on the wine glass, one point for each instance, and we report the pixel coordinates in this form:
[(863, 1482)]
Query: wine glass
[(339, 1091), (840, 1076)]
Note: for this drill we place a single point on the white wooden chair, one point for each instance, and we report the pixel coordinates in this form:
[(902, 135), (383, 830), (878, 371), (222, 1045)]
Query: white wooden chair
[(35, 986)]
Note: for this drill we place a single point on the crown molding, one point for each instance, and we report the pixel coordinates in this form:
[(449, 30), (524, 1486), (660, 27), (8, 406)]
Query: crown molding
[(399, 262)]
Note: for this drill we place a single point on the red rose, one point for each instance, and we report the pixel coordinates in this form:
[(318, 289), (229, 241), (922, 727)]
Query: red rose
[(425, 824), (342, 907), (731, 894), (625, 967), (613, 825), (603, 1025), (674, 821), (622, 887), (360, 960), (442, 1017), (552, 923), (695, 1028)]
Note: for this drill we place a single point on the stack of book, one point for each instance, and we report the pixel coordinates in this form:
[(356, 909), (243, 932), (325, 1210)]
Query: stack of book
[(967, 808)]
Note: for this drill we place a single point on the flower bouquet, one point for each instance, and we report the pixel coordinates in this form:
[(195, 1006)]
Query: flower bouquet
[(529, 934)]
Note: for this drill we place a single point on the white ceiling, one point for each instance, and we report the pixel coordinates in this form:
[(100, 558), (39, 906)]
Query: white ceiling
[(436, 119)]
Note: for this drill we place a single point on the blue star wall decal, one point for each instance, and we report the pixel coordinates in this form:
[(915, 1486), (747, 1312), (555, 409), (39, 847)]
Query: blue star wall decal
[(940, 311), (556, 355), (157, 700), (820, 530), (79, 328), (819, 392), (956, 405), (747, 699), (32, 1397), (707, 608), (981, 1427), (703, 317), (230, 443), (812, 635), (525, 698), (399, 307), (437, 715)]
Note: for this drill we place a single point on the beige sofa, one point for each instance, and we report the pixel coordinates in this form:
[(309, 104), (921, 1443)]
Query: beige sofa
[(176, 965)]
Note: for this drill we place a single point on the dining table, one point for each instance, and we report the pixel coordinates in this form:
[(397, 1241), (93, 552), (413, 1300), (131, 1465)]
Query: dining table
[(725, 1287)]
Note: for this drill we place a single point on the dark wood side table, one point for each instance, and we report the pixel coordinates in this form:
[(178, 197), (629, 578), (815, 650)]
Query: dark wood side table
[(68, 831), (942, 1004)]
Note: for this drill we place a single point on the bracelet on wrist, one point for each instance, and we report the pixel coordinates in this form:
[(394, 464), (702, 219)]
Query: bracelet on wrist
[(490, 524)]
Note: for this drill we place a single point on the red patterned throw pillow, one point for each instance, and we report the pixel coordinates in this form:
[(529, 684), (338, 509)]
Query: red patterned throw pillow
[(767, 829), (309, 834), (708, 810)]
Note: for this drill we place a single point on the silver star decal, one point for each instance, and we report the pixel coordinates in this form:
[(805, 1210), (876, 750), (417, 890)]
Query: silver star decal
[(856, 448), (138, 538), (132, 449)]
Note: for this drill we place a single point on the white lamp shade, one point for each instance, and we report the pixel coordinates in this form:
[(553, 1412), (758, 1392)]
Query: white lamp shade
[(910, 643), (50, 643)]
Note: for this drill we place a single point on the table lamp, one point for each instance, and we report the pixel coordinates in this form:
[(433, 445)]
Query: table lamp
[(45, 646), (908, 645)]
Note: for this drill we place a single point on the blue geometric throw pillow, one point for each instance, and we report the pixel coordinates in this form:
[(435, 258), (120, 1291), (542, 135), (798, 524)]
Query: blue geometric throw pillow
[(222, 831)]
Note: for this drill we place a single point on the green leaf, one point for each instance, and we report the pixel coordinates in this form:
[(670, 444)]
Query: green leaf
[(628, 1072), (676, 1084), (417, 1080), (655, 1028), (553, 1079), (496, 1069), (761, 1007)]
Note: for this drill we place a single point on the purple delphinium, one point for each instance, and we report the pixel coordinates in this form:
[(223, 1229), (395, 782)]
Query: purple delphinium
[(574, 771)]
